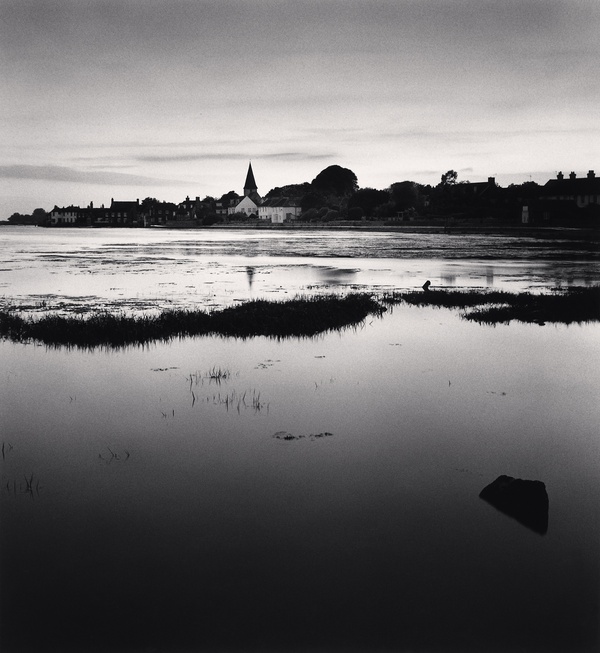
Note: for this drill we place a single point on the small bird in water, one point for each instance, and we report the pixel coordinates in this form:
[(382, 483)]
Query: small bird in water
[(426, 285)]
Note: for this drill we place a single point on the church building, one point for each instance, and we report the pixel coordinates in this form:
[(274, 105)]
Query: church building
[(251, 200)]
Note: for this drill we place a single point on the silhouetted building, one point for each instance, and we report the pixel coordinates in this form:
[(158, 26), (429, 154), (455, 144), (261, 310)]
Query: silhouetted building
[(571, 199), (159, 213), (123, 213), (583, 191), (251, 201), (223, 205), (186, 210), (90, 216), (479, 189), (250, 187)]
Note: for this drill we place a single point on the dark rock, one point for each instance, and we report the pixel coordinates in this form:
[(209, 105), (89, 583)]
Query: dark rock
[(525, 501)]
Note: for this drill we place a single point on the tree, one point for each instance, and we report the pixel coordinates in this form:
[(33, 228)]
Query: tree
[(291, 190), (367, 199), (309, 216), (404, 195), (355, 213), (387, 210), (336, 180), (312, 200), (38, 217), (449, 178), (149, 203)]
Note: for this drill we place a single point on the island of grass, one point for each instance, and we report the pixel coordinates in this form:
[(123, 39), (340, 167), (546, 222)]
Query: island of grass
[(299, 317), (575, 304)]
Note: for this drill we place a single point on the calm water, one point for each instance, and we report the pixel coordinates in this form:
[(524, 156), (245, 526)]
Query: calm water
[(323, 493)]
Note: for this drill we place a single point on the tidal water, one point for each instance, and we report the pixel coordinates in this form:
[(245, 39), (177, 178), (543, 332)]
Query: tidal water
[(215, 494)]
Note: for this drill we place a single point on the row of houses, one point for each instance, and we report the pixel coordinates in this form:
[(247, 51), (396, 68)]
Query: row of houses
[(134, 214), (565, 199), (569, 198)]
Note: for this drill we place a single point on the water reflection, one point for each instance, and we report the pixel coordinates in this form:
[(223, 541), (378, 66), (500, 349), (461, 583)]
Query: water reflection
[(145, 271), (333, 276), (250, 272), (344, 517)]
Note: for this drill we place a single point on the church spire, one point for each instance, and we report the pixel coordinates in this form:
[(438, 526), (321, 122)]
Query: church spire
[(250, 185)]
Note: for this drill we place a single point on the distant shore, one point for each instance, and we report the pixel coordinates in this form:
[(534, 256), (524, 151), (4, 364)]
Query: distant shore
[(517, 230), (535, 231)]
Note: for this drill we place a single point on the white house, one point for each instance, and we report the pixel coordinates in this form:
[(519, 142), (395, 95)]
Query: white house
[(66, 215), (247, 206), (278, 210)]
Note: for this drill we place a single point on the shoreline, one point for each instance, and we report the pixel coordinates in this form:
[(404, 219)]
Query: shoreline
[(562, 232)]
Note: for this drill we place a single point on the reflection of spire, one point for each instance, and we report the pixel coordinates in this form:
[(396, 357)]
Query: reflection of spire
[(250, 273)]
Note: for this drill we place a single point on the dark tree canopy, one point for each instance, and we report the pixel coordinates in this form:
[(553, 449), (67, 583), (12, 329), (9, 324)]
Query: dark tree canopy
[(449, 178), (312, 200), (336, 180), (404, 195), (149, 202), (291, 190), (38, 216), (368, 199)]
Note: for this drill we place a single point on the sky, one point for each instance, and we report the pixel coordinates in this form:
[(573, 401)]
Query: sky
[(128, 99)]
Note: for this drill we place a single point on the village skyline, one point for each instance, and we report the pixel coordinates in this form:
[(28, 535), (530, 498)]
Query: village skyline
[(131, 99), (335, 194)]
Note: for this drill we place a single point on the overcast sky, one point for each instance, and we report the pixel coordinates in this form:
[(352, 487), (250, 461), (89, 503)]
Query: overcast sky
[(168, 98)]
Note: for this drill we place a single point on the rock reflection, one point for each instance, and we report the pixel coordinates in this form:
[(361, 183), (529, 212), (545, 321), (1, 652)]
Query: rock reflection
[(525, 501)]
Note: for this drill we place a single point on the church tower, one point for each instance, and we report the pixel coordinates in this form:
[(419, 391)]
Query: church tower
[(250, 187)]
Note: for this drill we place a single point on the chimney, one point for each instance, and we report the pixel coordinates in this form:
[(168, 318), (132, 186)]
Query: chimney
[(560, 176), (492, 181), (591, 174), (197, 198), (572, 175)]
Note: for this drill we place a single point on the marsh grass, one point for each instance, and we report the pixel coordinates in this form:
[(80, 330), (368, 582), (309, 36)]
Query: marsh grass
[(492, 307), (244, 401), (299, 317)]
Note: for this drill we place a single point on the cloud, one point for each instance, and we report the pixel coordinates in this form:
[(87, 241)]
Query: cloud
[(60, 173), (297, 156), (286, 156)]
